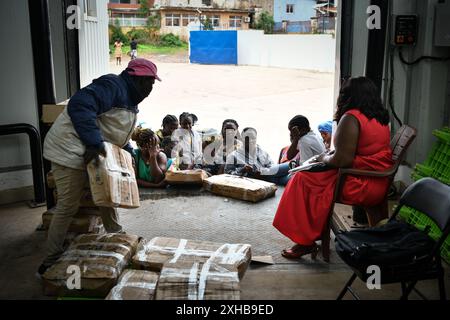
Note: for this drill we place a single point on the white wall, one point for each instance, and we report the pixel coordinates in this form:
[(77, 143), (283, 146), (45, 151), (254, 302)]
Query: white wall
[(93, 42), (18, 94), (308, 52)]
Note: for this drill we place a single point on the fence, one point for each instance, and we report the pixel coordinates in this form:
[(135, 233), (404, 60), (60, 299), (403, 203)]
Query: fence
[(308, 52), (253, 47), (213, 47)]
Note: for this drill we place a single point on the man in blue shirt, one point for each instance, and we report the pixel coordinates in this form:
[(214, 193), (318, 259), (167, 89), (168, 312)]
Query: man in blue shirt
[(105, 110)]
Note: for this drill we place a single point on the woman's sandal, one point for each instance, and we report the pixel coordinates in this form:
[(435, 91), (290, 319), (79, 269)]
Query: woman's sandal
[(298, 251)]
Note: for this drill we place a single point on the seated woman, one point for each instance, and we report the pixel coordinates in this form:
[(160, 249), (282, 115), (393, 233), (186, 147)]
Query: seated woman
[(189, 142), (215, 154), (150, 163), (326, 131), (362, 141), (305, 143), (253, 162), (169, 125)]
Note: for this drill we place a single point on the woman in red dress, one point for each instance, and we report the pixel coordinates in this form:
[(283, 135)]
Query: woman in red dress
[(362, 141)]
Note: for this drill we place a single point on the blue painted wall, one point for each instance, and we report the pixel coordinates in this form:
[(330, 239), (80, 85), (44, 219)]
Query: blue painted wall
[(213, 47), (303, 10)]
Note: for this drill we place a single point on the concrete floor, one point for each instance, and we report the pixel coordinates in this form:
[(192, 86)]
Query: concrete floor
[(203, 217), (259, 97)]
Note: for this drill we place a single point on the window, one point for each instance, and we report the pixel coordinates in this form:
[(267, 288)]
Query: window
[(235, 21), (188, 19), (90, 8), (172, 20), (215, 20), (289, 8), (206, 2)]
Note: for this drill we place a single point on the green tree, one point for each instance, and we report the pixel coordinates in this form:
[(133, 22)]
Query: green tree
[(265, 22), (116, 33), (143, 7), (207, 24), (154, 22)]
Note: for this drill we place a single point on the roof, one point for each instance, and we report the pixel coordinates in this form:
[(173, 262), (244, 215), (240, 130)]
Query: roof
[(322, 8)]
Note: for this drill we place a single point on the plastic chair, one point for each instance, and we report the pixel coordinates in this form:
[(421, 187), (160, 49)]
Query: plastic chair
[(399, 145), (432, 198)]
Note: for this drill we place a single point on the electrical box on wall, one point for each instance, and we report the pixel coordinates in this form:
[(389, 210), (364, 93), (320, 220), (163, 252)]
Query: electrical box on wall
[(405, 30), (442, 25)]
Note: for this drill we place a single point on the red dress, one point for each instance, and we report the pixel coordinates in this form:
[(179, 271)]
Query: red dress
[(303, 210)]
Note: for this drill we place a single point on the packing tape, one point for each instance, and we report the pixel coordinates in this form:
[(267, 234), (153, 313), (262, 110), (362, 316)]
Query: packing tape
[(103, 244), (192, 285), (179, 251), (205, 271), (93, 253), (116, 292)]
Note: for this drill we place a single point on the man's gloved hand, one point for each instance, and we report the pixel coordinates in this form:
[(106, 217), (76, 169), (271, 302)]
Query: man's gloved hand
[(92, 153)]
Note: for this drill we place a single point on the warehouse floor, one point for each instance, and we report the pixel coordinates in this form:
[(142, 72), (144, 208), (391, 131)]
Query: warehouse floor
[(202, 217)]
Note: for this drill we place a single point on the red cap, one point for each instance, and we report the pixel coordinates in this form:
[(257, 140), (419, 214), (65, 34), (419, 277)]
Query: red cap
[(143, 67)]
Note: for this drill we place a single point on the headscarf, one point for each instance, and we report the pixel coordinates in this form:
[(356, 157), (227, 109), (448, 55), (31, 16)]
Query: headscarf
[(326, 127)]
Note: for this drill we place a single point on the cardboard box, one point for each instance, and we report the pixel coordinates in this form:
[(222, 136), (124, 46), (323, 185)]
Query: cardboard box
[(197, 281), (240, 188), (186, 177), (100, 260), (152, 255), (113, 183), (135, 285), (50, 112)]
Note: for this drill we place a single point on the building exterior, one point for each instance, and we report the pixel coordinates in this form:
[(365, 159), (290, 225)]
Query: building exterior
[(294, 15), (325, 19), (127, 13), (262, 5), (93, 41), (181, 16)]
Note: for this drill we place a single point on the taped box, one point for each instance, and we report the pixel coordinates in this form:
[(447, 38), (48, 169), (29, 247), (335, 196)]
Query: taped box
[(153, 254), (186, 177), (98, 260), (50, 112), (135, 285), (113, 183), (85, 221), (240, 188), (197, 281)]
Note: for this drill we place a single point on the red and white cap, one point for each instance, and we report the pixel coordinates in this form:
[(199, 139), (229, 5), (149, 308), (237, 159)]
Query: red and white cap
[(143, 67)]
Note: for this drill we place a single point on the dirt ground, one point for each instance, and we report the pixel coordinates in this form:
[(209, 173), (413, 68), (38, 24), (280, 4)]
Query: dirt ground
[(259, 97)]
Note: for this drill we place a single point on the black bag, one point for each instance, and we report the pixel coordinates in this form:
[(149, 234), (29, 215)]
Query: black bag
[(396, 243)]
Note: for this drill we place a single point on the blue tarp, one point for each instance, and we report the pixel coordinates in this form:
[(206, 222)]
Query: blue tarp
[(213, 47)]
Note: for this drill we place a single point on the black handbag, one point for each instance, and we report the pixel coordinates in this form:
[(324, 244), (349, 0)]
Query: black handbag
[(395, 243)]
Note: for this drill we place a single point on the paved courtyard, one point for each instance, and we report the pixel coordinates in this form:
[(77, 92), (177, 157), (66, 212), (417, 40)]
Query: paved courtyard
[(264, 98)]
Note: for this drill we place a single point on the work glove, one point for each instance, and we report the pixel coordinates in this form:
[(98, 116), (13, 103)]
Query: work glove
[(93, 153)]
